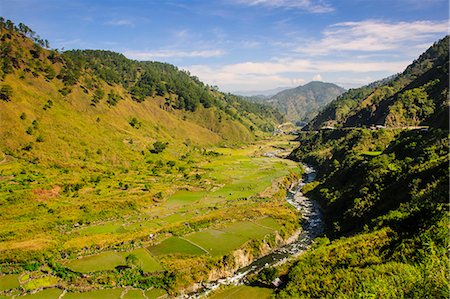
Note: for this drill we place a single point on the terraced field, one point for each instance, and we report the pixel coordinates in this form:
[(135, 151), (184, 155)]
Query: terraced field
[(230, 198), (242, 292), (110, 260), (10, 281)]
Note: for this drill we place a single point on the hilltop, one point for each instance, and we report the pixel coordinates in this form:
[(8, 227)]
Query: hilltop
[(417, 96)]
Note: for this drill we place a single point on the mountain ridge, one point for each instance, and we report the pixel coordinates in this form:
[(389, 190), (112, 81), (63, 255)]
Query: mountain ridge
[(417, 96)]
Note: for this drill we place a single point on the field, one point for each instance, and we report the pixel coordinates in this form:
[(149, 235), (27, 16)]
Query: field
[(222, 241), (97, 294), (242, 292), (9, 282), (115, 293), (110, 260), (176, 245), (45, 294), (217, 241), (155, 294), (134, 294), (199, 205)]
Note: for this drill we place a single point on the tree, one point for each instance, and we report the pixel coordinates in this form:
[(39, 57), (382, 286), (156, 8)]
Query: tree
[(99, 94), (131, 260), (267, 275), (113, 98)]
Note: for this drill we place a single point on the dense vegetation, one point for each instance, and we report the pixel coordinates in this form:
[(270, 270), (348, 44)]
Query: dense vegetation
[(418, 96), (384, 192)]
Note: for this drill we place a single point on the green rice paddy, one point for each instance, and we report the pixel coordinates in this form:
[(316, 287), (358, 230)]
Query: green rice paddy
[(41, 282), (156, 294), (9, 281), (217, 242), (110, 260), (52, 293), (96, 294), (176, 245), (134, 294), (243, 292)]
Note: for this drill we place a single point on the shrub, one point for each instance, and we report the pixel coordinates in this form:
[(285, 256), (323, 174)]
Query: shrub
[(159, 147), (135, 123), (6, 93)]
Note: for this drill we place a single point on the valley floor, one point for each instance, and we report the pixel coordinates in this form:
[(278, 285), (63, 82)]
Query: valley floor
[(157, 226)]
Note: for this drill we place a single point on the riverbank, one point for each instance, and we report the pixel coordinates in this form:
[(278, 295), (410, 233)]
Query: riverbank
[(312, 226)]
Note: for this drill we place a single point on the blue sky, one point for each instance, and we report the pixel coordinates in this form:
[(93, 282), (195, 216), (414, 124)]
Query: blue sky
[(247, 44)]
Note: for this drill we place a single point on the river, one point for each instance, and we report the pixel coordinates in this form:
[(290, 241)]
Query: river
[(312, 226)]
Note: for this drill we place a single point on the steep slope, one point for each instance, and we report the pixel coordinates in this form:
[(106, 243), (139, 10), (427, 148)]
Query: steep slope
[(384, 193), (303, 102), (418, 96)]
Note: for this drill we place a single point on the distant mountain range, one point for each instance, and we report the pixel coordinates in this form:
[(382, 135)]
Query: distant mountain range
[(302, 103), (418, 96), (261, 93)]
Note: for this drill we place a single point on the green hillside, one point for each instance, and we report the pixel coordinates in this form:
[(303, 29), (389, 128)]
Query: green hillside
[(113, 98), (418, 96), (102, 158), (384, 192), (385, 198)]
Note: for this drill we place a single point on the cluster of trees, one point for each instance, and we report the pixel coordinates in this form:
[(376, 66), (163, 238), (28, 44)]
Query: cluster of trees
[(142, 79), (25, 30)]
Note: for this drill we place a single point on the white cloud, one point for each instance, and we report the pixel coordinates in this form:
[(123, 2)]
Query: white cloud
[(121, 22), (142, 55), (373, 36), (313, 6), (264, 75), (230, 80), (317, 77)]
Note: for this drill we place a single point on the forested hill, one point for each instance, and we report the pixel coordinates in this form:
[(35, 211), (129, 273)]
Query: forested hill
[(303, 102), (102, 93), (384, 193), (418, 96)]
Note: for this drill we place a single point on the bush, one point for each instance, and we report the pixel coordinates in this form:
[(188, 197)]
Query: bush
[(135, 123), (159, 147), (6, 93)]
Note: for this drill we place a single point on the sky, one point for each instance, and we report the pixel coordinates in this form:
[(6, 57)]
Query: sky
[(247, 45)]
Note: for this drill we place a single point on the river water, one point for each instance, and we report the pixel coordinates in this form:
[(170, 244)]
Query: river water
[(312, 226)]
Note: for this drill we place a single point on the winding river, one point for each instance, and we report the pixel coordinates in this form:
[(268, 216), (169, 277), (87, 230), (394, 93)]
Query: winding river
[(312, 226)]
